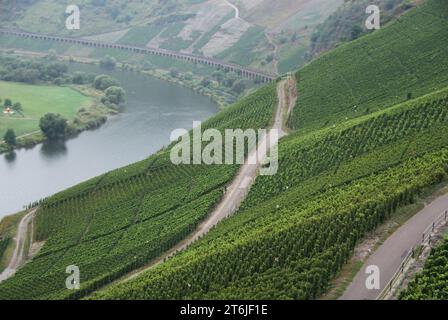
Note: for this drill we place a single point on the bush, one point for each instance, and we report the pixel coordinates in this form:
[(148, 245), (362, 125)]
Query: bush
[(102, 82), (10, 137), (53, 126)]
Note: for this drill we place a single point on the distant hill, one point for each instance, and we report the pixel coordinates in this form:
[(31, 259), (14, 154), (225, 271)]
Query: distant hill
[(347, 23), (264, 34)]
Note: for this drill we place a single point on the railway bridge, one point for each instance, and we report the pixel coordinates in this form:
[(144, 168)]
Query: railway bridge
[(219, 64)]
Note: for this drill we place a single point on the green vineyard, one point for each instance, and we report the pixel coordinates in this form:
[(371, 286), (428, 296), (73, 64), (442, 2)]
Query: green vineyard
[(405, 59), (432, 282), (381, 140), (370, 137), (118, 222), (292, 237), (368, 142)]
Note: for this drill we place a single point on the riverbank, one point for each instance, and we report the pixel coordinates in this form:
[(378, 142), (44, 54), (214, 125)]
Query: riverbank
[(86, 117), (215, 92), (153, 109)]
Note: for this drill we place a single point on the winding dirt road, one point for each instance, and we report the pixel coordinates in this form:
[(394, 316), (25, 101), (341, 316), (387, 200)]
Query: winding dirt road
[(234, 7), (237, 191), (19, 256), (389, 256)]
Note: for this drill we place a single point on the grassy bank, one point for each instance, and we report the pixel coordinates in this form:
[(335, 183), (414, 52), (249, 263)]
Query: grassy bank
[(38, 100), (81, 105), (185, 77)]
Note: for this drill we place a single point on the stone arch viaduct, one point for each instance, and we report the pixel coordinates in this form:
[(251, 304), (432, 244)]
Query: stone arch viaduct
[(219, 64)]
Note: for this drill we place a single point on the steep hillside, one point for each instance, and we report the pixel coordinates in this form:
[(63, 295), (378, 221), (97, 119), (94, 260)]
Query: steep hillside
[(402, 61), (297, 228), (347, 23), (372, 120), (216, 28), (117, 222)]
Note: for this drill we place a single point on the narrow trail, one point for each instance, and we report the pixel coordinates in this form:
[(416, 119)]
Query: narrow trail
[(389, 256), (19, 256), (239, 188), (234, 7)]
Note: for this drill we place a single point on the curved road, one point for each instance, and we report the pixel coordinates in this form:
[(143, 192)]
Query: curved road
[(19, 256), (234, 7), (238, 189), (389, 256)]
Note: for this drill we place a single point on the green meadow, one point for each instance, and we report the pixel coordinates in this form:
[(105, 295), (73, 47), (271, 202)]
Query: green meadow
[(37, 100)]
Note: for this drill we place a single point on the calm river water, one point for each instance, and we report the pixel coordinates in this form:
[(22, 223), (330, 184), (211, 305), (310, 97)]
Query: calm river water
[(153, 109)]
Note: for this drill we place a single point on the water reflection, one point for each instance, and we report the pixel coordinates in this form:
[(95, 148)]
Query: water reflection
[(10, 156), (53, 149), (153, 110)]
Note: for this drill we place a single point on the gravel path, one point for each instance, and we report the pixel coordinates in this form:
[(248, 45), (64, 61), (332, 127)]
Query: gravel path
[(389, 256), (238, 189), (19, 256)]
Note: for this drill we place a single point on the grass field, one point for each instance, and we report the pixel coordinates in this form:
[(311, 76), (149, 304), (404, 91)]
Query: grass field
[(38, 100)]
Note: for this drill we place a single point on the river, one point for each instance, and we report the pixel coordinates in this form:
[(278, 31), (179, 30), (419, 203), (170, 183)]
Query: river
[(153, 109)]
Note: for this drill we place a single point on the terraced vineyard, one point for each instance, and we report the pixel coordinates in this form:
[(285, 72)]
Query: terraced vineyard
[(432, 282), (373, 134), (290, 244), (120, 221), (408, 58), (360, 147), (297, 228)]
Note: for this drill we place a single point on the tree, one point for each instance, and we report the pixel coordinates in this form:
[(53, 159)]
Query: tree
[(115, 95), (174, 73), (108, 62), (52, 55), (79, 78), (102, 82), (355, 32), (219, 76), (239, 87), (53, 126), (8, 103), (10, 138), (205, 82), (17, 107), (54, 70)]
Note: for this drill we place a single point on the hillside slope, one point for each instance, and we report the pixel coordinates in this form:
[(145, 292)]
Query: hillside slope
[(206, 27), (402, 61), (291, 244), (120, 221), (297, 228), (347, 22)]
